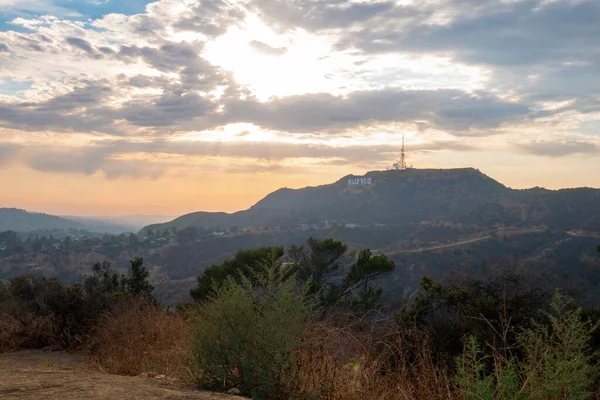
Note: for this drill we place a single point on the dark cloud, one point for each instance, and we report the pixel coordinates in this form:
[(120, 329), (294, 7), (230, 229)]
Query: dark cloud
[(4, 48), (90, 161), (452, 110), (106, 50), (183, 58), (180, 108), (557, 149), (80, 110), (266, 49), (80, 44), (521, 32), (318, 14), (543, 50), (211, 17), (167, 110)]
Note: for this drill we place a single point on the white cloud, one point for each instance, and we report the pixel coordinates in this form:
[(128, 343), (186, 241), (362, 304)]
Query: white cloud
[(322, 73)]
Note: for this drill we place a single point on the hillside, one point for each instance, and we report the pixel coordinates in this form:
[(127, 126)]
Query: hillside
[(464, 196), (13, 219), (22, 221), (390, 197)]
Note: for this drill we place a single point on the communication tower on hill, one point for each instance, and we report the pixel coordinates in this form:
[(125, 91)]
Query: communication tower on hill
[(401, 165)]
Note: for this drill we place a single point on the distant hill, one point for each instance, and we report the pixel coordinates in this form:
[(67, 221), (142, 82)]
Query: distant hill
[(17, 220), (388, 197)]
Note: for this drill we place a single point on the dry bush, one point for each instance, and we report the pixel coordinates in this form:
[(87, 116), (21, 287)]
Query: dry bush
[(139, 338), (11, 331), (24, 332), (370, 364)]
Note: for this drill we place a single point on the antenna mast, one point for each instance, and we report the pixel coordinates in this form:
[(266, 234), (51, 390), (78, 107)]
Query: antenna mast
[(402, 159), (401, 165)]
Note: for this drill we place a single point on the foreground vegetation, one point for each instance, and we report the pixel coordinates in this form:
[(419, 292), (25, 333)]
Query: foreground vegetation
[(309, 324)]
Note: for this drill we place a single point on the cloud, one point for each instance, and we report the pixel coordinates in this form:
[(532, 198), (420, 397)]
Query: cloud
[(78, 110), (319, 14), (27, 7), (80, 44), (452, 110), (89, 161), (210, 17), (146, 78), (557, 149), (537, 49), (266, 49)]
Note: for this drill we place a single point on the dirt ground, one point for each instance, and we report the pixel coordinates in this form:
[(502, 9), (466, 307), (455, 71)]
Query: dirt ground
[(35, 374)]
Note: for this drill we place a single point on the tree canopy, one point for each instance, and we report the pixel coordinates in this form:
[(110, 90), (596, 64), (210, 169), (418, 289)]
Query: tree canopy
[(241, 264)]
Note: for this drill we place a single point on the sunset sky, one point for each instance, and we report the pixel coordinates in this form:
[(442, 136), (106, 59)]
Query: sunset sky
[(113, 107)]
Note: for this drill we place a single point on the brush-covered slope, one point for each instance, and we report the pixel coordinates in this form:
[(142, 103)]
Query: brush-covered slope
[(391, 197)]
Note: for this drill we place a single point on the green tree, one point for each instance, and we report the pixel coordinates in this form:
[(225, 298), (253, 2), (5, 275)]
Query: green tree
[(320, 261), (136, 282), (356, 287), (242, 264), (337, 276), (104, 279)]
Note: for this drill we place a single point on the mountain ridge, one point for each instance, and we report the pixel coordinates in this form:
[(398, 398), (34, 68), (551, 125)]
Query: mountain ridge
[(403, 196), (23, 221)]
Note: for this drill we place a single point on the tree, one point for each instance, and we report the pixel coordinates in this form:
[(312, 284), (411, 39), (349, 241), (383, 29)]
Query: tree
[(319, 261), (243, 263), (137, 282), (330, 269), (104, 280), (366, 269), (481, 308)]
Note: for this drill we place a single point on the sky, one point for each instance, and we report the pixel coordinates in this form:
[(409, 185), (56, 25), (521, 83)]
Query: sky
[(114, 107)]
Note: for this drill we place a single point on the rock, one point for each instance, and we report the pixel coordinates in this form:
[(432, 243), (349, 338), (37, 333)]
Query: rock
[(234, 392), (160, 376)]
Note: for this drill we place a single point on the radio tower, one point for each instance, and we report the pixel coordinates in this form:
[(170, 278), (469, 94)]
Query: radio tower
[(402, 159), (401, 165)]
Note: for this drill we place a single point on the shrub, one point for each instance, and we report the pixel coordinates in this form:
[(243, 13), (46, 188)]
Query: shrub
[(137, 337), (39, 312), (364, 360), (247, 334), (557, 361)]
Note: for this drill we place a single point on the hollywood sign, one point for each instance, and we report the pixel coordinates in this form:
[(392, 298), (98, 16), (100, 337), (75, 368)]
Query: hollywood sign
[(359, 181)]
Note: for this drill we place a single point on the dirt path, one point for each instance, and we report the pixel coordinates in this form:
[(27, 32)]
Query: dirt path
[(443, 246), (34, 374)]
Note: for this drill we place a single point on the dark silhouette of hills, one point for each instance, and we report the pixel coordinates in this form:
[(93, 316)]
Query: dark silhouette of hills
[(400, 197), (391, 197), (22, 221)]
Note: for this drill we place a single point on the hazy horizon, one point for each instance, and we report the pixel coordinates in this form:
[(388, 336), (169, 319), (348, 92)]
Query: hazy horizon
[(112, 108), (173, 216)]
